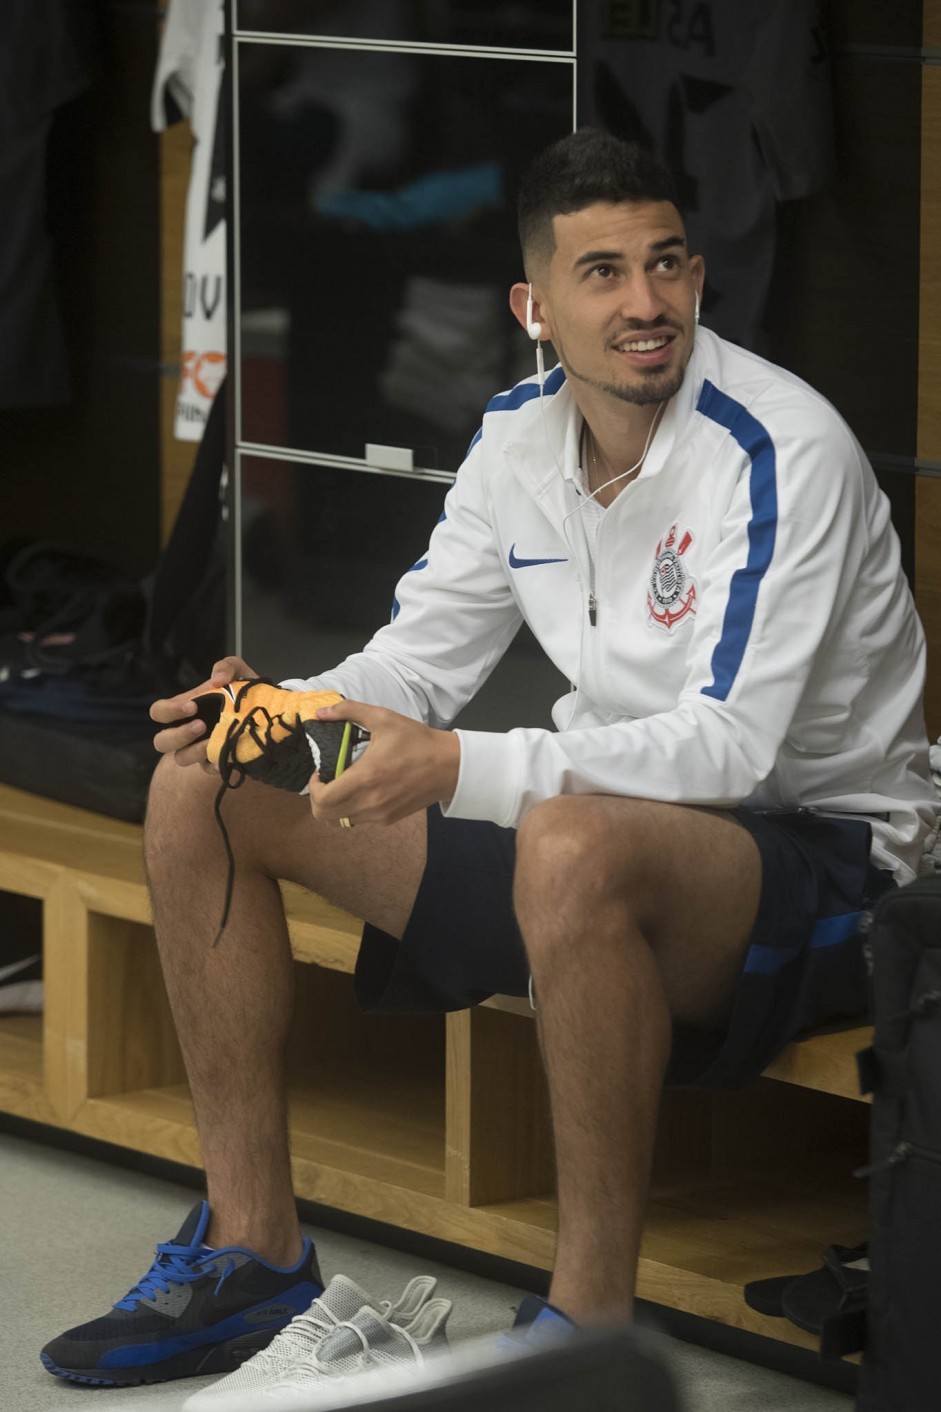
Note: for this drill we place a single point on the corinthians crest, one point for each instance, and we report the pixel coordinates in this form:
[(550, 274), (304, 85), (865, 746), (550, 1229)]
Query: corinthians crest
[(672, 593)]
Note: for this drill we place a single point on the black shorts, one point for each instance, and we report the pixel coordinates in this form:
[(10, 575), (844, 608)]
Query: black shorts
[(804, 966)]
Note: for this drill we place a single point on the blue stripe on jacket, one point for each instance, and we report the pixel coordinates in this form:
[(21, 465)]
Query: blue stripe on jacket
[(502, 403), (518, 396), (421, 564), (755, 441)]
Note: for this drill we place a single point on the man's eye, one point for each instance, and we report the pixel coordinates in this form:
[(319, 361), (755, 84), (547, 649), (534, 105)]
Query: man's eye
[(667, 262), (604, 271)]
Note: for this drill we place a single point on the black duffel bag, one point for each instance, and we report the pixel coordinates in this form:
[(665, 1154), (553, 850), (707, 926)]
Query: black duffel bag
[(902, 1366)]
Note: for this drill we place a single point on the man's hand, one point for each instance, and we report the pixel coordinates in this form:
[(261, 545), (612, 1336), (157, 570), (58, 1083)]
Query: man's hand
[(186, 742), (405, 767)]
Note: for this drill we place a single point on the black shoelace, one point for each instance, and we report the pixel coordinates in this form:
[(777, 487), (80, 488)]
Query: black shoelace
[(233, 774)]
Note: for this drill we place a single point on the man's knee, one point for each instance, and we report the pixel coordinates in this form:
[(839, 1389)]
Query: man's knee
[(558, 838), (179, 810), (602, 856), (570, 855), (577, 831)]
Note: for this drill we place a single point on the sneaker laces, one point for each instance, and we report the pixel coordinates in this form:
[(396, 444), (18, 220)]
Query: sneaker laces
[(306, 1330), (368, 1356), (294, 1337), (262, 727), (232, 774), (363, 1358), (175, 1264)]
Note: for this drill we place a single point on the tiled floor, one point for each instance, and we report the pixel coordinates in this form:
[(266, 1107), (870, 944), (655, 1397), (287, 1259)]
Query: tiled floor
[(76, 1233)]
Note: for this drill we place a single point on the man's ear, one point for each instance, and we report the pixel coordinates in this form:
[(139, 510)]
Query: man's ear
[(697, 268), (519, 296)]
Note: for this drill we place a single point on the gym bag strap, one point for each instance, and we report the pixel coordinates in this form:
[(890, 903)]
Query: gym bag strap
[(902, 1370)]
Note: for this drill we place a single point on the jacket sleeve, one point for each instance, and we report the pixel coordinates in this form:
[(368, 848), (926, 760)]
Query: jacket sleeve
[(790, 548), (453, 618)]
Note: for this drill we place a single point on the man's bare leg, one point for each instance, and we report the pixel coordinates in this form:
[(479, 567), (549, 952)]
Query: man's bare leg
[(232, 1004), (634, 914)]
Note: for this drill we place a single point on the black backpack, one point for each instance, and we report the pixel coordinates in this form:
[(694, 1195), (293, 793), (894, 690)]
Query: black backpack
[(84, 649), (902, 1366)]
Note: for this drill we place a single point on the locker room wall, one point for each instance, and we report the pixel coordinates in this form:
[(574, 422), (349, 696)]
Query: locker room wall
[(884, 52), (87, 472), (928, 521)]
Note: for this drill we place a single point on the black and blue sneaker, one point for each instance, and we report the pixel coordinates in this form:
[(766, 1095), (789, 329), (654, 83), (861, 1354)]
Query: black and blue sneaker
[(195, 1311), (537, 1323)]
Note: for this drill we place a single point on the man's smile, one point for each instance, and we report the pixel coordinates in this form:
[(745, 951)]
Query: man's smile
[(646, 349), (642, 346)]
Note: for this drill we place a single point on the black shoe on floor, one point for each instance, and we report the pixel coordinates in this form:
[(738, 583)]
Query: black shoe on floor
[(195, 1311)]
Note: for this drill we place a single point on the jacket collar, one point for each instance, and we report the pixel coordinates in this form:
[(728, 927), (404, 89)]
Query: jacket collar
[(543, 449), (678, 414)]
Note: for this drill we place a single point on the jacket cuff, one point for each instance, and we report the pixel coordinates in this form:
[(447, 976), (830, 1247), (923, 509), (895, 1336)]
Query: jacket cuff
[(487, 782)]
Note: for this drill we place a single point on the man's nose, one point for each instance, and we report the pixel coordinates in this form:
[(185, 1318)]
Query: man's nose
[(642, 301)]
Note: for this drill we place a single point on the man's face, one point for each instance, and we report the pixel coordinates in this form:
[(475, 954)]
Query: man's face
[(619, 298)]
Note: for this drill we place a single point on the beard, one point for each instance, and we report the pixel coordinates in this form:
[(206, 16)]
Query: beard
[(657, 385)]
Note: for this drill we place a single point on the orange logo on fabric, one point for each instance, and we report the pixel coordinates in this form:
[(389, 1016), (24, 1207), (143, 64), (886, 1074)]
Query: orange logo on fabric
[(204, 371)]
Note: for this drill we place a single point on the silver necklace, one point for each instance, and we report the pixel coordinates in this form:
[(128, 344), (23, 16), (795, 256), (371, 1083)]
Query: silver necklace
[(637, 466)]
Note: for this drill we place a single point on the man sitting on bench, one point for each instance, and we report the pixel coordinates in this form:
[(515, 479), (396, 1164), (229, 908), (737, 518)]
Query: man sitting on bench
[(699, 544)]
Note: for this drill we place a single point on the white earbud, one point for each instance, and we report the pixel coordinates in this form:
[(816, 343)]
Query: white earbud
[(534, 330), (696, 311)]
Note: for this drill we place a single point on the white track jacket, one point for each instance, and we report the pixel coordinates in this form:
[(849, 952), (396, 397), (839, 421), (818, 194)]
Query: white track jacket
[(743, 633)]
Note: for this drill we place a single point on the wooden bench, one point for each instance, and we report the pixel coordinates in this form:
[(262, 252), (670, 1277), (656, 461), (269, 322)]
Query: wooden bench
[(438, 1124)]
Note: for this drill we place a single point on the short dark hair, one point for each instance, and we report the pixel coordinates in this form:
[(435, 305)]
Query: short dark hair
[(575, 172)]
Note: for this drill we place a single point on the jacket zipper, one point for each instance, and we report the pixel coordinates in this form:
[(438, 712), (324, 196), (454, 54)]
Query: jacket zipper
[(592, 599), (586, 566)]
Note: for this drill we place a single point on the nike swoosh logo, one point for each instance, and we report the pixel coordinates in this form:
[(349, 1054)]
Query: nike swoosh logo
[(515, 563)]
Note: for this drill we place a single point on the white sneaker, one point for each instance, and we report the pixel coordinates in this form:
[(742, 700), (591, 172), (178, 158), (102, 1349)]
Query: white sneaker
[(298, 1342), (368, 1343), (23, 996)]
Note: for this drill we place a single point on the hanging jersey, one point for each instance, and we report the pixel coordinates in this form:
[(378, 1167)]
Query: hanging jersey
[(736, 100), (188, 84)]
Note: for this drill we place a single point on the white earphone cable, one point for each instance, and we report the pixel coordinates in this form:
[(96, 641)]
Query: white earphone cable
[(636, 466)]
